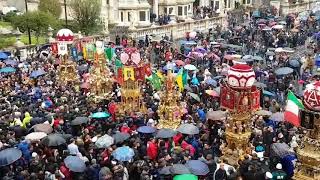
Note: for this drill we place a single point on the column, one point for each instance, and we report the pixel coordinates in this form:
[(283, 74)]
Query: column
[(155, 8)]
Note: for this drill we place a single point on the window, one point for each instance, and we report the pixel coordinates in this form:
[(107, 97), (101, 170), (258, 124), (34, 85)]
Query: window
[(229, 3), (165, 10), (129, 16), (170, 10), (217, 5), (107, 1), (186, 10), (248, 1), (180, 11), (121, 16), (189, 7), (142, 15)]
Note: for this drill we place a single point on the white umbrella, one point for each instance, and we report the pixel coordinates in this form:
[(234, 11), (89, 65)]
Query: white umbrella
[(278, 26), (190, 67), (35, 136)]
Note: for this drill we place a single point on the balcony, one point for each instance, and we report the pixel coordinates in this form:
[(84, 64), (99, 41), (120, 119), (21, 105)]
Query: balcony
[(298, 6)]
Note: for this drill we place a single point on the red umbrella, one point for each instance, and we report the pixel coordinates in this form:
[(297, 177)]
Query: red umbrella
[(179, 63)]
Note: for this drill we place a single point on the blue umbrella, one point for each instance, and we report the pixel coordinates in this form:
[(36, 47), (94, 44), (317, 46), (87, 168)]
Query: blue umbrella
[(3, 56), (37, 73), (123, 153), (75, 164), (294, 63), (7, 70), (100, 115), (146, 129), (10, 62), (211, 82), (171, 66), (284, 71), (198, 167), (268, 93), (9, 156)]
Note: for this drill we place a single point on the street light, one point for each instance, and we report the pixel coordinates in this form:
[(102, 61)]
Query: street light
[(29, 33), (65, 12)]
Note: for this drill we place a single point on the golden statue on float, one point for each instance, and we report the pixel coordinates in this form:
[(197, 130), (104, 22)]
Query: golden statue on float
[(170, 111), (67, 72)]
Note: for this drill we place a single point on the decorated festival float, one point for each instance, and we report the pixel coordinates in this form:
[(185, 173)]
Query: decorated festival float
[(131, 76), (240, 98), (308, 152), (169, 111)]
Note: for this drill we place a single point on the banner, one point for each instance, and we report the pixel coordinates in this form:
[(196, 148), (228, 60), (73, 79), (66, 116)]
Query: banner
[(139, 73), (54, 48), (90, 51), (74, 53), (62, 48), (119, 76), (128, 73)]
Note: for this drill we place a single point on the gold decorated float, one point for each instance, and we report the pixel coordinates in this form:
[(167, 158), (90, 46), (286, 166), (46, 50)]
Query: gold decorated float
[(67, 72), (170, 111), (241, 99)]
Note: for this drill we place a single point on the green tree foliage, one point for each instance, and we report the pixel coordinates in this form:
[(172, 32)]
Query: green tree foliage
[(87, 14), (50, 6), (37, 21)]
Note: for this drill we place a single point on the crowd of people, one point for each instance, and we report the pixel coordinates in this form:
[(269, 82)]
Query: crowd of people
[(33, 103)]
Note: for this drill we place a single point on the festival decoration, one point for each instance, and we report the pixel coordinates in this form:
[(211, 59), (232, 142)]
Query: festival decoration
[(241, 99), (170, 111), (308, 151), (67, 72), (64, 37)]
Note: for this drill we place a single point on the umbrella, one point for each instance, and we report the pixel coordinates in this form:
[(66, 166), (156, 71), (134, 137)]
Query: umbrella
[(37, 73), (53, 140), (3, 56), (7, 70), (98, 115), (104, 141), (179, 62), (120, 137), (280, 149), (146, 129), (270, 53), (79, 121), (284, 71), (9, 156), (46, 128), (75, 164), (211, 82), (190, 67), (278, 116), (217, 89), (247, 57), (165, 170), (188, 129), (216, 115), (194, 96), (185, 177), (165, 133), (279, 26), (218, 77), (123, 153), (257, 58), (168, 66), (212, 93), (201, 50), (35, 136), (83, 67), (268, 93), (260, 84), (288, 50), (10, 62), (263, 113), (294, 63), (179, 169), (198, 167)]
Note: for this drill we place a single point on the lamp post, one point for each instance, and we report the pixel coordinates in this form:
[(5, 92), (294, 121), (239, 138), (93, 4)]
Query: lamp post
[(29, 33), (65, 12)]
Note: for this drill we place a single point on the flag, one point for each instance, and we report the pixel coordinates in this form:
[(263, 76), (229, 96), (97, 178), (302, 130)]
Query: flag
[(159, 74), (119, 76), (84, 52), (109, 53), (155, 81), (139, 73), (291, 113), (74, 53), (181, 79), (128, 73), (118, 64)]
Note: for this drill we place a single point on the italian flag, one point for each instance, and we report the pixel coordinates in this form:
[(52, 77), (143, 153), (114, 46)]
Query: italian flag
[(291, 113)]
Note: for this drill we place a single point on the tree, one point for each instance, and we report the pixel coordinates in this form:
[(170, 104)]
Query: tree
[(37, 21), (87, 14), (50, 6)]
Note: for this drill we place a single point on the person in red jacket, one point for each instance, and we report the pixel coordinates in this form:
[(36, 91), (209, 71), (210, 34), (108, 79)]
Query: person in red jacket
[(125, 129), (152, 149)]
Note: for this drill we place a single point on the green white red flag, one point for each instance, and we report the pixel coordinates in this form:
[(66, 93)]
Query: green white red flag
[(292, 108)]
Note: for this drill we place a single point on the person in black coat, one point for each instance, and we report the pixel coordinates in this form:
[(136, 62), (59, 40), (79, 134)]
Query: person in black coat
[(221, 173)]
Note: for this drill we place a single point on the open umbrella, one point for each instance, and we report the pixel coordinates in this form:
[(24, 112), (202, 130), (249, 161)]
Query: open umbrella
[(211, 82), (258, 58), (3, 56), (165, 170), (270, 53), (247, 57), (268, 93), (260, 84), (179, 169), (9, 156), (79, 121), (278, 116), (7, 70), (146, 129), (284, 71), (194, 96), (53, 140), (263, 113), (165, 133), (35, 136), (216, 115), (37, 73), (46, 128), (190, 67), (120, 137), (75, 164), (280, 149), (212, 93), (198, 167), (294, 63), (10, 62), (98, 115), (279, 26), (188, 129), (124, 153), (104, 141), (185, 177)]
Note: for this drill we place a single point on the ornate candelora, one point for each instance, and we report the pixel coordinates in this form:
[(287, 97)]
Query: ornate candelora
[(67, 72), (308, 152), (241, 99), (170, 111)]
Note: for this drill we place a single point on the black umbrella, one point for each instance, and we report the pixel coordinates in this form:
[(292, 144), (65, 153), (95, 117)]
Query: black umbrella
[(165, 170), (53, 140), (79, 121), (9, 156), (179, 169), (166, 133), (120, 137)]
